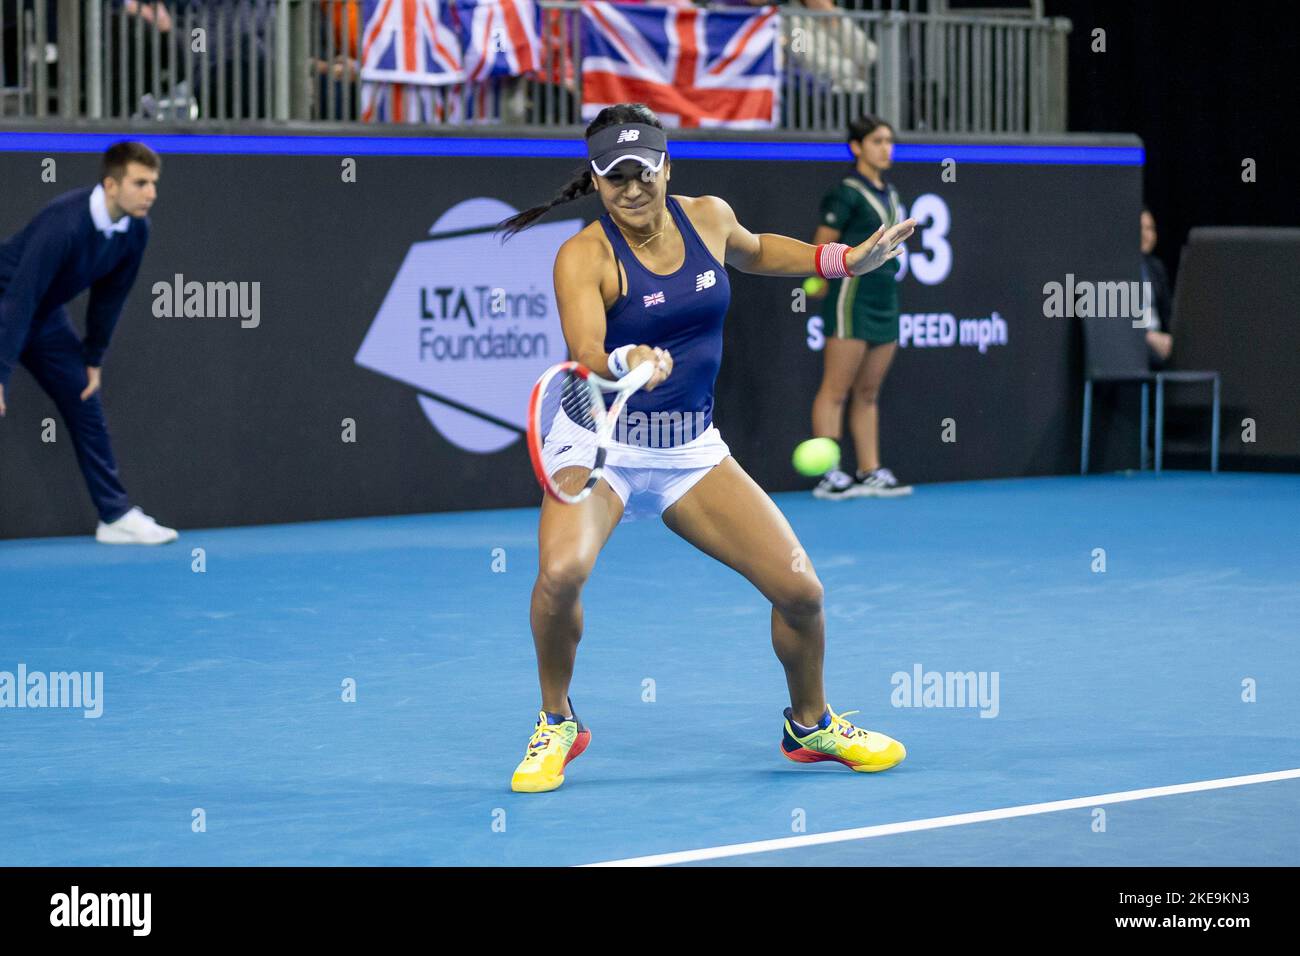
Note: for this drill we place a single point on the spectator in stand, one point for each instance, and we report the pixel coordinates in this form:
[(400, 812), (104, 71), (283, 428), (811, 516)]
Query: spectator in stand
[(1158, 312), (834, 50), (234, 35)]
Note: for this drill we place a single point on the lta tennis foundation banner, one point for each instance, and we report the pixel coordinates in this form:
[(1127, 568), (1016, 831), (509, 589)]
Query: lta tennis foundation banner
[(327, 327), (470, 328)]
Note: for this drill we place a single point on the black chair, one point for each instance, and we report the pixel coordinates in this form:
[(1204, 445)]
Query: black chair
[(1211, 377), (1114, 351)]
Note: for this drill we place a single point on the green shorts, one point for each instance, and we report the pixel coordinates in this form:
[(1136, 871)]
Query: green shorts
[(858, 309)]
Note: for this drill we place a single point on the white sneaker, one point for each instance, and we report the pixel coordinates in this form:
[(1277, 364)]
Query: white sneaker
[(880, 483), (833, 486), (134, 527)]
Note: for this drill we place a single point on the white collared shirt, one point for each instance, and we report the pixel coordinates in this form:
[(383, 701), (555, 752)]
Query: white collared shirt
[(99, 213)]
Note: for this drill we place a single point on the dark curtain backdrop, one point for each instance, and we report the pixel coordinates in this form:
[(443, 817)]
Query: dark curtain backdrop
[(1204, 86)]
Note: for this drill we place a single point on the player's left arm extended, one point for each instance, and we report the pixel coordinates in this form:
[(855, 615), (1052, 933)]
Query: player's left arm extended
[(107, 296), (771, 254)]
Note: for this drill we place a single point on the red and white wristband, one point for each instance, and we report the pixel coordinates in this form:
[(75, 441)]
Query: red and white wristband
[(830, 259)]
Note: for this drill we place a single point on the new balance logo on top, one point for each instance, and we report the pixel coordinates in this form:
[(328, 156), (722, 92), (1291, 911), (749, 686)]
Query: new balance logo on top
[(628, 135), (654, 298), (705, 280)]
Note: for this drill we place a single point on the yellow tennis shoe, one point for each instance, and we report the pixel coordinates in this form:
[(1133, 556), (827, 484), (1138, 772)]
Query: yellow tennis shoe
[(858, 749), (550, 749)]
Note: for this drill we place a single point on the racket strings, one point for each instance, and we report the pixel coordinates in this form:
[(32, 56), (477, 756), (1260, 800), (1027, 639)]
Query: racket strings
[(571, 429), (576, 398), (569, 412)]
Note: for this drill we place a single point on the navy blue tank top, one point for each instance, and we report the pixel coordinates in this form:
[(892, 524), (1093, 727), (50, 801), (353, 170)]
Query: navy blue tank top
[(681, 312)]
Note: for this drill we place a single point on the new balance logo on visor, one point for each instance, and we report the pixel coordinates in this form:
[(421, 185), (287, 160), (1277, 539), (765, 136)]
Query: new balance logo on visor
[(628, 135), (654, 298), (705, 280)]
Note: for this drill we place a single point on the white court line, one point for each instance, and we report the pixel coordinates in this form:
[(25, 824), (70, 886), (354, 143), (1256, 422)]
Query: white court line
[(935, 823)]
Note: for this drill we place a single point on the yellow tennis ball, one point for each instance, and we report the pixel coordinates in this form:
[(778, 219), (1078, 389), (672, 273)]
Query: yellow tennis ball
[(816, 456), (814, 285)]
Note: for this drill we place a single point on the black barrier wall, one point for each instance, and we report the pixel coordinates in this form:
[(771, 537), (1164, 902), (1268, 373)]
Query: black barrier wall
[(1234, 313), (338, 391)]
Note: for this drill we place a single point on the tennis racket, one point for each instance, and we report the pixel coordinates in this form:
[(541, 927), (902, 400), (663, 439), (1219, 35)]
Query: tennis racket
[(569, 426)]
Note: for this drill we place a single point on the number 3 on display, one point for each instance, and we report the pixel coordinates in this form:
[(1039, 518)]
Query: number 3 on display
[(931, 270)]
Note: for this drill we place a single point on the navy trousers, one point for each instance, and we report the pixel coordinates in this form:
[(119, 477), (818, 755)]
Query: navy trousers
[(53, 356)]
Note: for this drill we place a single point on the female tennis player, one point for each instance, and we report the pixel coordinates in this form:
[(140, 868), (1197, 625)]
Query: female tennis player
[(646, 283), (860, 315)]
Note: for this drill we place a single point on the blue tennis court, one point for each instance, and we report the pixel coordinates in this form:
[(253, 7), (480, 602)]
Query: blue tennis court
[(223, 691)]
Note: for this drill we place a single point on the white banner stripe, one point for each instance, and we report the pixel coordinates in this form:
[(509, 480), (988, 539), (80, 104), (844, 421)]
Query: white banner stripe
[(603, 64)]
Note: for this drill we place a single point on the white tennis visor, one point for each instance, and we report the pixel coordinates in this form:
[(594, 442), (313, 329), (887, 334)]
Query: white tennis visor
[(648, 145)]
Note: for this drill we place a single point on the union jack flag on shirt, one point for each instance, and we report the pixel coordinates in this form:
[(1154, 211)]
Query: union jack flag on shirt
[(498, 37), (692, 67)]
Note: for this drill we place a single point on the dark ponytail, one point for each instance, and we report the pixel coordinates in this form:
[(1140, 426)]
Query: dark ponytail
[(577, 187), (582, 183)]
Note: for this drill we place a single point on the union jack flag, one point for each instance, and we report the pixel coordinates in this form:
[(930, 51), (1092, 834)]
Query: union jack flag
[(412, 103), (406, 41), (557, 47), (407, 54), (498, 37), (692, 67), (654, 298)]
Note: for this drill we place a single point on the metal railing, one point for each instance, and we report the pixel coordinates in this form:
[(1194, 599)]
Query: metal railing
[(939, 72), (181, 60), (194, 61)]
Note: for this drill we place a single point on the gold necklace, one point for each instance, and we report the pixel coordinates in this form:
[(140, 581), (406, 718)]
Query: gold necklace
[(651, 239), (655, 236)]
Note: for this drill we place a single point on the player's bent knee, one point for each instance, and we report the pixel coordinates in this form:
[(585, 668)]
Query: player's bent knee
[(802, 598), (561, 579)]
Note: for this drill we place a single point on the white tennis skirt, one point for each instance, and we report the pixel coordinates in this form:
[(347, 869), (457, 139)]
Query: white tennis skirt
[(647, 480)]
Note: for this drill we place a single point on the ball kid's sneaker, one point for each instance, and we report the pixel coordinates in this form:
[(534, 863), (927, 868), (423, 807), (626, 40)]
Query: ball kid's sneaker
[(835, 485), (880, 483), (555, 741), (834, 738)]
